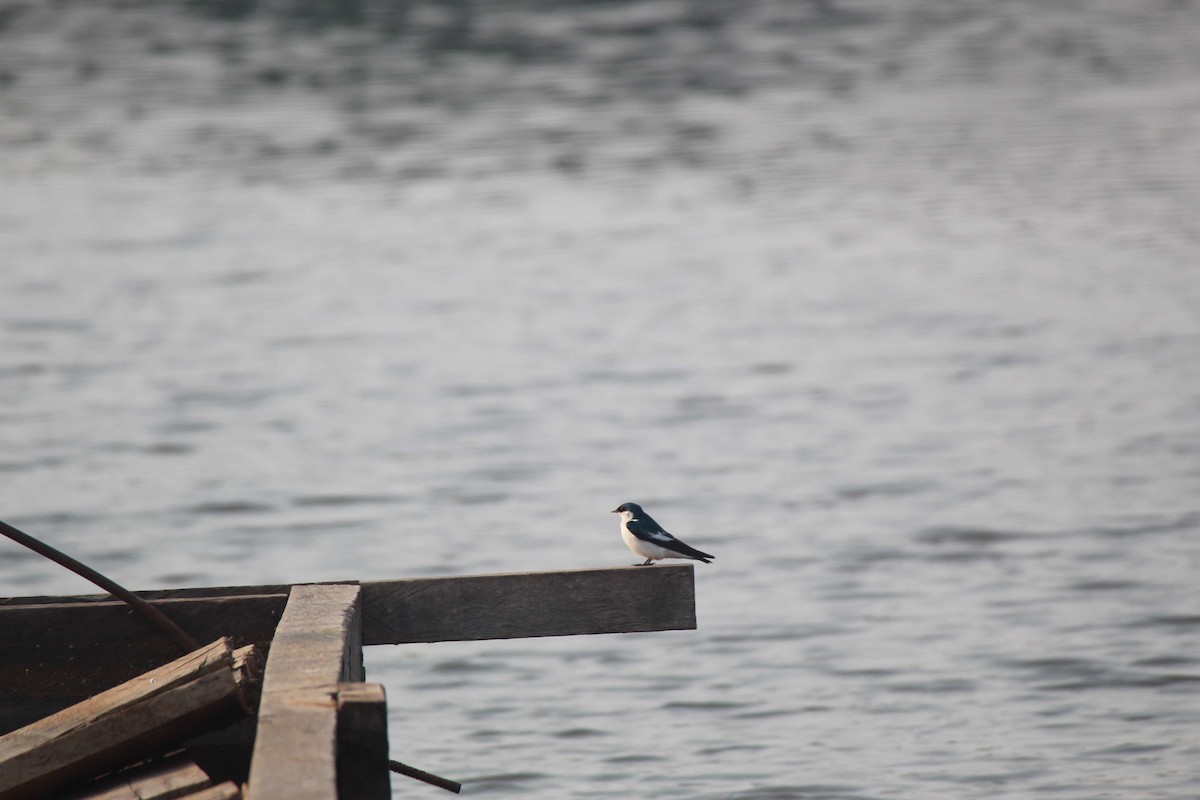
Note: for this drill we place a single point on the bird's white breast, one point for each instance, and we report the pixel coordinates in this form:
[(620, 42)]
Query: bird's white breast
[(642, 548)]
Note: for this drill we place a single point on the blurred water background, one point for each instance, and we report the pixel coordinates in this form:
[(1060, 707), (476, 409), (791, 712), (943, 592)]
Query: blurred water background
[(891, 305)]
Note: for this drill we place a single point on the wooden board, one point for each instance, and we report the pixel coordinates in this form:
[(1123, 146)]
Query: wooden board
[(139, 718), (604, 600), (526, 604), (222, 791), (53, 655), (317, 645), (159, 780), (362, 742)]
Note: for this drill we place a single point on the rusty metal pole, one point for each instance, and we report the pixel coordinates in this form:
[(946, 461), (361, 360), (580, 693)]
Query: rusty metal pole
[(83, 570)]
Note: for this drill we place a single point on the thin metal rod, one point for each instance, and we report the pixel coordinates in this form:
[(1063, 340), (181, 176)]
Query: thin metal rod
[(83, 570), (428, 777)]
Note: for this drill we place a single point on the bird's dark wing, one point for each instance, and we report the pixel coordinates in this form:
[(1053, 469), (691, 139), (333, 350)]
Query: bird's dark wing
[(649, 522), (649, 531)]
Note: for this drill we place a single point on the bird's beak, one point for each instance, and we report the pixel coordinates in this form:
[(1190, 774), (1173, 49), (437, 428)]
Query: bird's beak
[(614, 511)]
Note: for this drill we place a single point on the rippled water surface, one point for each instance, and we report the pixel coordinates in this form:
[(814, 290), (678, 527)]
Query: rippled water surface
[(890, 305)]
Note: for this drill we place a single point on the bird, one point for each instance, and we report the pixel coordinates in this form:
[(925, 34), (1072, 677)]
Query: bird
[(647, 538)]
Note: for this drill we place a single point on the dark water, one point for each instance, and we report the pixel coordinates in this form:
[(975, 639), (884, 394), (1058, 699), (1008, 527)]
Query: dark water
[(892, 306)]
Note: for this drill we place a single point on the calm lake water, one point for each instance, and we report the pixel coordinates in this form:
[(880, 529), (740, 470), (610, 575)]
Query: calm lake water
[(891, 305)]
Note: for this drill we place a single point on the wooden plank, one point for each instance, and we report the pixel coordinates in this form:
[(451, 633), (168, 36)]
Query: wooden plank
[(222, 791), (525, 604), (501, 606), (167, 779), (53, 655), (362, 742), (177, 593), (317, 645), (141, 717)]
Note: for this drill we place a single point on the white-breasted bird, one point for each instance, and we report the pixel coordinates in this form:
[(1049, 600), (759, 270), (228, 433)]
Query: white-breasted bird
[(647, 538)]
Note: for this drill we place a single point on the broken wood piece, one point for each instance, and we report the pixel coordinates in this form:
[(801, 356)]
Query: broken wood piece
[(248, 666), (362, 742), (317, 645), (141, 717)]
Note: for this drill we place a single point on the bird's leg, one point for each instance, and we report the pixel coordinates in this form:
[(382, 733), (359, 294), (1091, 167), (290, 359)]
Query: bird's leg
[(646, 563)]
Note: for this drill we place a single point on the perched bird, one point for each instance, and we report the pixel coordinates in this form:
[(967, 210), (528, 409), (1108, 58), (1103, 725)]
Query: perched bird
[(647, 538)]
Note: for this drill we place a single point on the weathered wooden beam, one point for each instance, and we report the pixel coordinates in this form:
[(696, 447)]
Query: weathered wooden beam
[(362, 742), (501, 606), (317, 645), (53, 655), (167, 779), (524, 604), (141, 717)]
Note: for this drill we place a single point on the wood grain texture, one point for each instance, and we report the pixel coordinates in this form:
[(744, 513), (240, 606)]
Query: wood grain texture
[(141, 717), (525, 604), (316, 646), (222, 791), (167, 779), (362, 742), (53, 655)]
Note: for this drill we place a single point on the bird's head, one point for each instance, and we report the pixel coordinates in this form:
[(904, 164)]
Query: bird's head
[(632, 509)]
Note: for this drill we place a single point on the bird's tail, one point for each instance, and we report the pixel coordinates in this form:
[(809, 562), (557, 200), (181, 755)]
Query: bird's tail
[(699, 555)]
